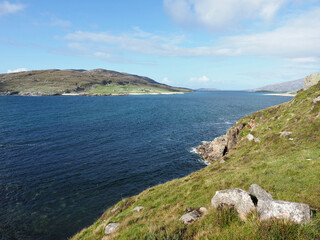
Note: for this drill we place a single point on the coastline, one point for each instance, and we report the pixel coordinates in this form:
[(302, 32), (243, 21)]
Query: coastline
[(89, 94)]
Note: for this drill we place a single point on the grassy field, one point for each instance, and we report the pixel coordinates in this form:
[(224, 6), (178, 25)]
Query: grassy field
[(287, 167)]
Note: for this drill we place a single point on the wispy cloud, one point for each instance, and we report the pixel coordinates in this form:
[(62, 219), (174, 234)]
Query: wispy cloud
[(217, 15), (202, 79), (17, 70), (7, 8)]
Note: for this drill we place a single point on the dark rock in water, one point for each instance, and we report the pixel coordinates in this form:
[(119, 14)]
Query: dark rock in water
[(259, 193), (237, 198), (296, 212), (190, 217)]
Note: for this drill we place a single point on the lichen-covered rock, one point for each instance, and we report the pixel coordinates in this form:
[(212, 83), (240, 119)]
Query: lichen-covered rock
[(203, 210), (317, 99), (190, 217), (311, 80), (237, 198), (296, 212), (111, 227), (259, 193)]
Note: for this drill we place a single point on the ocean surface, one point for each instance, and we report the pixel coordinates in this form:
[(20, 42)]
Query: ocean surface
[(66, 159)]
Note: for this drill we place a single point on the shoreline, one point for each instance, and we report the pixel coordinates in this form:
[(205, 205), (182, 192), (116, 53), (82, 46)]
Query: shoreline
[(90, 94)]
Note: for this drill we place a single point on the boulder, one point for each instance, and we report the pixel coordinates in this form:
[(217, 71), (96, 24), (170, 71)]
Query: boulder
[(190, 217), (311, 80), (259, 193), (111, 227), (138, 209), (296, 212), (237, 198)]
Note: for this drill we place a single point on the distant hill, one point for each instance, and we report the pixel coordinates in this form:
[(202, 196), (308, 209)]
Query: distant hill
[(290, 86), (81, 82)]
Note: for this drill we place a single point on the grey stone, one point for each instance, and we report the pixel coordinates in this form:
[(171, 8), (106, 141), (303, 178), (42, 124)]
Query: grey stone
[(237, 198), (190, 217), (111, 227), (138, 209), (250, 137), (317, 99), (258, 192), (285, 133), (203, 210), (257, 140), (296, 212)]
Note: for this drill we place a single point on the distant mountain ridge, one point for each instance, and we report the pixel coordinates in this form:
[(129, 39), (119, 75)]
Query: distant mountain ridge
[(81, 82), (290, 86)]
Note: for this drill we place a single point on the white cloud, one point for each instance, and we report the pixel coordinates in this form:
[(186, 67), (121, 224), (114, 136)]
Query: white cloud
[(7, 8), (165, 80), (202, 79), (219, 15), (296, 41), (17, 70), (60, 23)]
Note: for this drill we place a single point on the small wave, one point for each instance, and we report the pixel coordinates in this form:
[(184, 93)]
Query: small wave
[(194, 150), (201, 160), (227, 122), (203, 142)]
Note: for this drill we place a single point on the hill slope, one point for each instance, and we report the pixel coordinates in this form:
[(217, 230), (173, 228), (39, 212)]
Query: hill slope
[(93, 82), (290, 86), (287, 167)]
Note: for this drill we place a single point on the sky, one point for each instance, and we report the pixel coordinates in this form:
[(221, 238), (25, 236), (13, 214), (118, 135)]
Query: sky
[(229, 44)]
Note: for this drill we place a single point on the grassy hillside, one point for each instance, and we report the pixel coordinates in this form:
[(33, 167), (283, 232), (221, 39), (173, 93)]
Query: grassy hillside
[(287, 167), (93, 82)]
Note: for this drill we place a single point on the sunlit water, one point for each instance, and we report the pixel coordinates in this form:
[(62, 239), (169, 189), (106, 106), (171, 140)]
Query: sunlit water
[(65, 159)]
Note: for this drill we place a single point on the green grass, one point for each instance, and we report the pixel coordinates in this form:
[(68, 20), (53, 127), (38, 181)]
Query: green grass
[(278, 164)]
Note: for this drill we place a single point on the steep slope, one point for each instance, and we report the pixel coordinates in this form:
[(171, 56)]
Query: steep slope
[(288, 167), (93, 82), (290, 86)]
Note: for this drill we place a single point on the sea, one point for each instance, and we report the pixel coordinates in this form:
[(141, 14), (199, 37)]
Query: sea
[(64, 160)]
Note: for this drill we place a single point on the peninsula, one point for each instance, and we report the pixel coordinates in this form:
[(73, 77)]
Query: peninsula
[(97, 82)]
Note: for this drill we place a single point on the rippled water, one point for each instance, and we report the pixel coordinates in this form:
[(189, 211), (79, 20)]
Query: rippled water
[(65, 159)]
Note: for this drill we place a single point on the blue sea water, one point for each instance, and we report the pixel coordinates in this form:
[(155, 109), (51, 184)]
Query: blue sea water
[(66, 159)]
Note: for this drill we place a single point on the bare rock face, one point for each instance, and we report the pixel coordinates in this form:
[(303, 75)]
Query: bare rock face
[(259, 193), (237, 198), (311, 80), (317, 99), (232, 136), (111, 227), (212, 151), (296, 212), (190, 217)]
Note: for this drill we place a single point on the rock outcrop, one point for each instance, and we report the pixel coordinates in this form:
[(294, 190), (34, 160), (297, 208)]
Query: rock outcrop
[(259, 193), (237, 198), (311, 80), (212, 151)]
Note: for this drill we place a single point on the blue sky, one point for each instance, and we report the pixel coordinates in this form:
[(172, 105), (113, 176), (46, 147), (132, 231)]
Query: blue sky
[(230, 44)]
